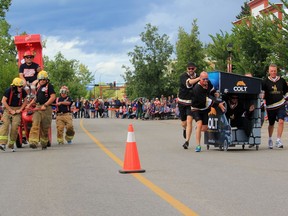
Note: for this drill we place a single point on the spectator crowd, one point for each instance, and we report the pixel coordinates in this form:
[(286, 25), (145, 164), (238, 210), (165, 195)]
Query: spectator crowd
[(139, 108)]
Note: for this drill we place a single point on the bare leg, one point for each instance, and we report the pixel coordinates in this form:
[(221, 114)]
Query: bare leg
[(270, 130), (189, 128), (198, 132), (280, 128)]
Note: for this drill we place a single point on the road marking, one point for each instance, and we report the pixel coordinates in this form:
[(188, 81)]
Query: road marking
[(157, 190)]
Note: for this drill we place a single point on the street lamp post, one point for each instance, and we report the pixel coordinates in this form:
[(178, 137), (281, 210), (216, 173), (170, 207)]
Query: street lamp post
[(94, 75), (100, 87), (229, 60)]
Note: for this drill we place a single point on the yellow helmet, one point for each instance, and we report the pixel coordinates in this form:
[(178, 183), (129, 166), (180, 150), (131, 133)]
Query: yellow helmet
[(17, 82), (42, 75)]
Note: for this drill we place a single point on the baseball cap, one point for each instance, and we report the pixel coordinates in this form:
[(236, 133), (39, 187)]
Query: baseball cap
[(191, 64)]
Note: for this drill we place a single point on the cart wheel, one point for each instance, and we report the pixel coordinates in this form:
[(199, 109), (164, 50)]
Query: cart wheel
[(225, 145), (221, 147), (243, 147), (257, 147), (208, 147)]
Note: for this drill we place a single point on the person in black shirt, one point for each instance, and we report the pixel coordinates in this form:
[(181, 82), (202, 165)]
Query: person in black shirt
[(14, 101), (42, 116), (28, 71), (236, 111), (64, 117), (275, 94), (201, 104), (187, 80)]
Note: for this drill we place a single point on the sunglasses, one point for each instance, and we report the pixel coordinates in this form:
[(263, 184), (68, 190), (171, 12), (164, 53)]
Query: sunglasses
[(191, 68), (234, 97), (20, 86), (41, 79), (205, 79), (29, 57)]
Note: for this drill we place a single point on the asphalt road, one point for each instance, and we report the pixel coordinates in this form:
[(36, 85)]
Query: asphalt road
[(84, 179)]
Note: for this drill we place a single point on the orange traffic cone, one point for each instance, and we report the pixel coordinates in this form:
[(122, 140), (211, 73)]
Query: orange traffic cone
[(131, 161)]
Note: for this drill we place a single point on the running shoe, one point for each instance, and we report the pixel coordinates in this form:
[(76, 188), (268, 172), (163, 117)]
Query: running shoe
[(2, 147), (185, 145), (12, 147), (278, 144), (198, 148), (33, 146), (270, 144)]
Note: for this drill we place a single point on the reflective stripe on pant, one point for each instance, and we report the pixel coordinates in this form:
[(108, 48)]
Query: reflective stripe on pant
[(62, 121), (8, 119), (41, 122)]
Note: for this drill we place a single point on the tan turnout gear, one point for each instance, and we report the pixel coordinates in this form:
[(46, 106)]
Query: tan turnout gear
[(62, 121), (4, 129), (41, 124)]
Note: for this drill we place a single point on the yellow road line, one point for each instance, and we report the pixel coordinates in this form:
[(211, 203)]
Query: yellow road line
[(157, 190)]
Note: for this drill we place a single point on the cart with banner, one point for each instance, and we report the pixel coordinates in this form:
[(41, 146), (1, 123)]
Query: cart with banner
[(33, 44), (220, 134)]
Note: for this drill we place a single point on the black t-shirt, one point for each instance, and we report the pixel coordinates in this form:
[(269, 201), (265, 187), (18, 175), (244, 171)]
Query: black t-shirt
[(29, 71), (274, 91), (17, 98), (64, 108), (200, 95), (185, 92), (44, 92)]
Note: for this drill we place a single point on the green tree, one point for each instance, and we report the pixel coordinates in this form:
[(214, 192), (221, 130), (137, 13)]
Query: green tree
[(274, 37), (252, 56), (4, 7), (70, 73), (147, 77), (8, 64), (217, 51), (245, 11), (189, 49)]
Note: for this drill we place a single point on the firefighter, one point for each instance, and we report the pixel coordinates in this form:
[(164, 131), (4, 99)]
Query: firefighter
[(28, 71), (42, 117), (14, 101), (64, 117)]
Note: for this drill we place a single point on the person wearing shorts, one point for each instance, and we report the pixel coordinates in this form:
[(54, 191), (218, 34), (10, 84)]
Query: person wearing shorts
[(275, 94), (187, 80), (201, 105)]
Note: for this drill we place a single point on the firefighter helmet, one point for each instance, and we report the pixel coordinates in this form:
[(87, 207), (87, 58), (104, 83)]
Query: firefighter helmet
[(17, 82), (42, 75), (28, 53), (64, 90)]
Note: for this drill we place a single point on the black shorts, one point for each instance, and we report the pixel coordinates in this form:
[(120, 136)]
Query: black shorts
[(276, 114), (184, 111), (201, 115)]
